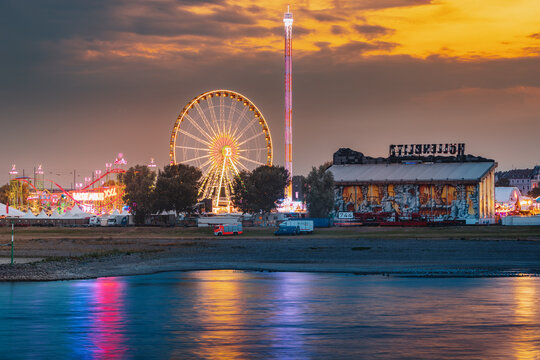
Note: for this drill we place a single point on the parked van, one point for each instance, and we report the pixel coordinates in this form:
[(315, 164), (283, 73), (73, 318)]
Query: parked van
[(287, 230), (117, 220), (228, 229)]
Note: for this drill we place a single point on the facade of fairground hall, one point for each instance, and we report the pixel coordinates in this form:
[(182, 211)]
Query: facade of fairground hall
[(436, 182)]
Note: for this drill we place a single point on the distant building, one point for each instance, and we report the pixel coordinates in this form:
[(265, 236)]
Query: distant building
[(433, 188), (524, 179)]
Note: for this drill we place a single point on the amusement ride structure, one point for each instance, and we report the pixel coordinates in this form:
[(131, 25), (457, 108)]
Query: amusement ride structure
[(222, 133), (288, 22), (100, 194)]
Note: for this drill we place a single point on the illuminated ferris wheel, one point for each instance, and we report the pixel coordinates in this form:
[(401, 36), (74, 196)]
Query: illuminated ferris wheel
[(222, 133)]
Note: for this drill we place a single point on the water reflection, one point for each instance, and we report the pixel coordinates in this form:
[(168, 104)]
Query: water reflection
[(247, 315), (527, 319), (220, 309), (99, 318), (290, 311)]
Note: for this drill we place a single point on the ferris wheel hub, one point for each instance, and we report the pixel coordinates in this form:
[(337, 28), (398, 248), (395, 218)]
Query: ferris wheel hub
[(226, 151)]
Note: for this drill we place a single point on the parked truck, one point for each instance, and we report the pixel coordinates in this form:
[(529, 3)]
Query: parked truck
[(228, 229), (300, 227)]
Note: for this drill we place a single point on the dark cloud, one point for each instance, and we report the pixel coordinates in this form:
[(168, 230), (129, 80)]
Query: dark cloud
[(357, 48), (372, 31), (322, 16), (378, 4), (337, 30), (535, 36)]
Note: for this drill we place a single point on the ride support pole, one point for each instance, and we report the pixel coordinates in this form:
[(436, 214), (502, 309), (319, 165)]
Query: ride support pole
[(12, 227)]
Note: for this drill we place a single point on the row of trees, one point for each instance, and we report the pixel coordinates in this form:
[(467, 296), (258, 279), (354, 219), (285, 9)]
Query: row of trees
[(175, 189), (261, 189), (258, 191)]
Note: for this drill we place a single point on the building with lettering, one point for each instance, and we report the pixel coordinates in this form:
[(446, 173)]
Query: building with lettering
[(432, 188)]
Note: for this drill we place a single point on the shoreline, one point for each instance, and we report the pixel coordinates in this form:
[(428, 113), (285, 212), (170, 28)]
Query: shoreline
[(88, 254)]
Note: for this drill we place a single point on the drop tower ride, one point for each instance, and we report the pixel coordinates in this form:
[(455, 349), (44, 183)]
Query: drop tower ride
[(288, 22)]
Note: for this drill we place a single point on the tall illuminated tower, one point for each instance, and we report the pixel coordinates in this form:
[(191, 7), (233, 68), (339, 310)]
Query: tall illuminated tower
[(288, 21)]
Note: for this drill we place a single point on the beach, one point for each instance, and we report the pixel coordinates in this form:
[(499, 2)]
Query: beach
[(83, 253)]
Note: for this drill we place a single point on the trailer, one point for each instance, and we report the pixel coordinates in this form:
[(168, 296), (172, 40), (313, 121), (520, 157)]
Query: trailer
[(304, 226)]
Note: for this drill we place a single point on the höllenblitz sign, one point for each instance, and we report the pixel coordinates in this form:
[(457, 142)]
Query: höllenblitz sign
[(427, 149)]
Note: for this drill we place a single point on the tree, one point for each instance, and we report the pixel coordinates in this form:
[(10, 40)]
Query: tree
[(177, 188), (319, 191), (534, 193), (259, 190), (4, 194), (139, 181), (241, 191)]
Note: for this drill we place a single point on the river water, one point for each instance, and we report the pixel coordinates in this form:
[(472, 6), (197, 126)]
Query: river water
[(257, 315)]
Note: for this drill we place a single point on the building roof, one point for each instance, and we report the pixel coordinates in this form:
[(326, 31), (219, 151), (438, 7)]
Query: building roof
[(411, 173), (516, 174)]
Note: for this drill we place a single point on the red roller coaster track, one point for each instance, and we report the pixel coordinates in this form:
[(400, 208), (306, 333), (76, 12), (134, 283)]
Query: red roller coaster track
[(64, 191)]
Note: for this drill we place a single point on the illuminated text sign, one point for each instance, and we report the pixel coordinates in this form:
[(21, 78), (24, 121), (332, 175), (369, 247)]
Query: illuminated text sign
[(427, 149), (94, 196)]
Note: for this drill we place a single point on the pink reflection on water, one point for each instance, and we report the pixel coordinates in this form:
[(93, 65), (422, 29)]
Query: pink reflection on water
[(107, 323)]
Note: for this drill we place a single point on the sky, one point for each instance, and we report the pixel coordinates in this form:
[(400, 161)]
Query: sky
[(82, 81)]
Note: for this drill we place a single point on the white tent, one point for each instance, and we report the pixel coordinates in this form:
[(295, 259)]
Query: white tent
[(115, 212), (507, 195), (56, 215), (42, 215), (124, 212), (76, 213), (9, 211), (28, 215)]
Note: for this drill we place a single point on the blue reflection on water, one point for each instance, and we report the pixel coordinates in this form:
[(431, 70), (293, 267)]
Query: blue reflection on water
[(234, 314)]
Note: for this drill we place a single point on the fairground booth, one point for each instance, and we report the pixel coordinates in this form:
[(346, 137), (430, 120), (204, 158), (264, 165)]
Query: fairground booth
[(415, 185)]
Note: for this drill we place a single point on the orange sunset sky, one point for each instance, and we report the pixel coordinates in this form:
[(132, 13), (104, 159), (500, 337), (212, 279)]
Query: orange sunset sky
[(83, 81)]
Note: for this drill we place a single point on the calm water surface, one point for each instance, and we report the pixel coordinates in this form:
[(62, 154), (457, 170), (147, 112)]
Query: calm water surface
[(231, 314)]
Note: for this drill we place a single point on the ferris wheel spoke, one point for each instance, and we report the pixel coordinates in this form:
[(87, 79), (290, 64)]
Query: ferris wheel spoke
[(221, 179), (242, 166), (197, 158), (215, 181), (246, 128), (249, 160), (205, 119), (235, 169), (191, 148), (222, 111), (257, 149), (208, 162), (231, 113), (240, 117), (228, 182), (194, 137), (250, 138), (201, 130), (206, 184), (205, 181), (213, 113)]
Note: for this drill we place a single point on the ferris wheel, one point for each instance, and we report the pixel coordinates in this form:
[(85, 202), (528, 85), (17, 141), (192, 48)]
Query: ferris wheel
[(222, 133)]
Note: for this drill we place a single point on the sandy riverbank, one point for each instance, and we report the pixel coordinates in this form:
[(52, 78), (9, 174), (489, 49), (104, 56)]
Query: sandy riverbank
[(90, 253)]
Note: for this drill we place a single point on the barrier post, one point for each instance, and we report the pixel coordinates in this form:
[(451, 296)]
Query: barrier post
[(12, 227)]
